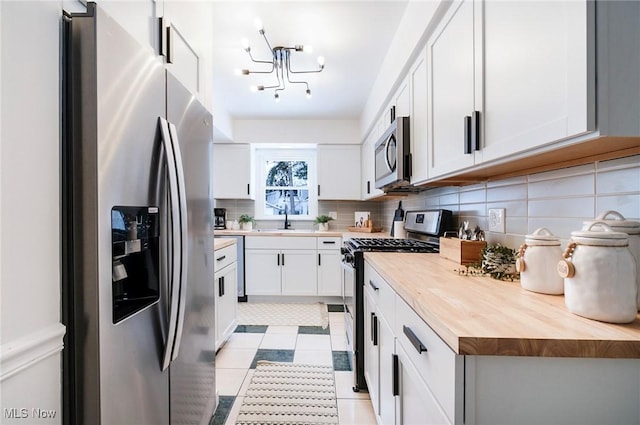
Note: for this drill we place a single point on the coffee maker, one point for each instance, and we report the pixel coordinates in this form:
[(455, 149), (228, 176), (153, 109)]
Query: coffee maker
[(220, 218)]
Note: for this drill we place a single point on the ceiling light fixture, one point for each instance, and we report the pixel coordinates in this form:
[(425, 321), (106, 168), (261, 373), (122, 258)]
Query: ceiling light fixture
[(280, 64)]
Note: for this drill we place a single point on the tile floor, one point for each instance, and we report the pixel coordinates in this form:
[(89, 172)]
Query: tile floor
[(236, 361)]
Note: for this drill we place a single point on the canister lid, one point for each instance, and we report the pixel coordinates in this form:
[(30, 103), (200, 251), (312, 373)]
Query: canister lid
[(617, 222), (600, 233), (542, 236)]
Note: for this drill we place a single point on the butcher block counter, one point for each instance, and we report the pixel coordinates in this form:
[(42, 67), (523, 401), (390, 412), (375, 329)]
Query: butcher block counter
[(219, 243), (484, 316)]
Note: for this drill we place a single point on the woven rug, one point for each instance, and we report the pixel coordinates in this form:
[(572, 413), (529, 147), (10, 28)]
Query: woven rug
[(289, 393), (283, 314)]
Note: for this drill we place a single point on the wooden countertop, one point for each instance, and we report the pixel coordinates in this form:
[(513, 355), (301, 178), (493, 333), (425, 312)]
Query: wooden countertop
[(485, 316), (219, 243)]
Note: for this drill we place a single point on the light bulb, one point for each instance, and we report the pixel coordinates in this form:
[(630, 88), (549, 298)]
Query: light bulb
[(237, 71), (308, 93), (253, 89), (321, 61), (308, 49), (245, 44), (258, 23), (276, 97)]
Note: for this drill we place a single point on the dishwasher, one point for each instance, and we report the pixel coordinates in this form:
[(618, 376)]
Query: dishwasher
[(242, 296)]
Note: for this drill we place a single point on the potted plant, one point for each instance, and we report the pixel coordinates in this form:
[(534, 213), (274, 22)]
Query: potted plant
[(246, 222), (323, 222)]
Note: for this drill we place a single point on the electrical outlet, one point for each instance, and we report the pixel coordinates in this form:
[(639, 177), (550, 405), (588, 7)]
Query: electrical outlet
[(333, 215), (496, 220)]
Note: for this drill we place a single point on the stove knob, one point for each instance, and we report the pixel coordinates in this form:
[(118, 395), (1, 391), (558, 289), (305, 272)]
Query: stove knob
[(343, 250)]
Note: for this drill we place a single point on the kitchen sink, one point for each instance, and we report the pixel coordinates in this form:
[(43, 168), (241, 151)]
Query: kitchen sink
[(281, 230)]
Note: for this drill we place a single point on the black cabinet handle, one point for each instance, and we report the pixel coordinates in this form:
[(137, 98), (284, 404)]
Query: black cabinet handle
[(318, 190), (395, 368), (278, 255), (248, 188), (373, 315), (413, 339), (169, 55), (375, 330), (467, 135), (319, 261), (283, 259), (475, 130), (221, 286), (368, 187), (329, 242), (221, 258), (375, 288)]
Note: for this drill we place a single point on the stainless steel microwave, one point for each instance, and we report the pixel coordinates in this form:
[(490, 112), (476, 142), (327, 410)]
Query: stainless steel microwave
[(393, 156)]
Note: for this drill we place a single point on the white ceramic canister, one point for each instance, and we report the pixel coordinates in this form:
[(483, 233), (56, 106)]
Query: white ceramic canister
[(599, 275), (537, 259), (618, 223)]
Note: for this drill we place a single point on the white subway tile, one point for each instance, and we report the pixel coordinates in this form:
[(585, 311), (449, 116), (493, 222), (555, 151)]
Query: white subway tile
[(566, 207), (562, 173), (507, 193), (627, 205), (618, 181), (568, 186), (614, 164)]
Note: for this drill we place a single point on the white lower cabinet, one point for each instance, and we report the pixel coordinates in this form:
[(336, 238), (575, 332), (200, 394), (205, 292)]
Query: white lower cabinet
[(226, 294), (415, 404), (329, 269), (280, 265)]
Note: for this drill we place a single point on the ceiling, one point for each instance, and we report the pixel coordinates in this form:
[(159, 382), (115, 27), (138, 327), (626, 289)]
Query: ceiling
[(353, 36)]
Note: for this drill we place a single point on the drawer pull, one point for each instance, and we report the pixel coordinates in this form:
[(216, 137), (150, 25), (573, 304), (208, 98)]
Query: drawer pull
[(413, 339), (375, 288), (372, 332), (221, 258), (395, 369), (375, 330), (329, 242), (221, 286)]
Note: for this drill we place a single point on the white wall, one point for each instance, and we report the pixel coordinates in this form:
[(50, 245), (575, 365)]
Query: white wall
[(297, 131), (31, 333)]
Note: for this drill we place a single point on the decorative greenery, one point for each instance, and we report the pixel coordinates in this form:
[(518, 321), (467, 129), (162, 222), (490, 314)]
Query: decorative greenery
[(498, 261), (323, 219), (246, 218)]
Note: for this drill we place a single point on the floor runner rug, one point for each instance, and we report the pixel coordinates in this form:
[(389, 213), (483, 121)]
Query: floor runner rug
[(290, 393), (283, 314)]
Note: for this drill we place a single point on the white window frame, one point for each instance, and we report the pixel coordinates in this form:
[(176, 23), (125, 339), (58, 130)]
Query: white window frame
[(290, 154)]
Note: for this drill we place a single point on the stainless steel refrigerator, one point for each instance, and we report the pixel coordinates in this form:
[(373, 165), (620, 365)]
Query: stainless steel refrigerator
[(137, 234)]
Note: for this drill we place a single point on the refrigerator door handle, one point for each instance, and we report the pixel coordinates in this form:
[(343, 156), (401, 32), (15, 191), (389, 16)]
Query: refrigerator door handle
[(174, 241), (184, 237)]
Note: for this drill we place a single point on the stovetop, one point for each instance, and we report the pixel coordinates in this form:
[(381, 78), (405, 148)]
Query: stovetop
[(391, 245)]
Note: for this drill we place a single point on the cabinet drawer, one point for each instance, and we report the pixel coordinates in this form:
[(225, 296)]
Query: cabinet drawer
[(381, 293), (225, 256), (326, 242), (437, 365), (280, 242)]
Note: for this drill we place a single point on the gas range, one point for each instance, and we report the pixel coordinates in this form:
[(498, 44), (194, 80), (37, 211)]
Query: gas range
[(423, 230)]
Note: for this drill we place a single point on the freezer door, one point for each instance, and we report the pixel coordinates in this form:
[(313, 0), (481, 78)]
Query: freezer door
[(116, 94), (193, 370)]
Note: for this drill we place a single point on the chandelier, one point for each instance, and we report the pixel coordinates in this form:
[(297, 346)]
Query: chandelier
[(280, 64)]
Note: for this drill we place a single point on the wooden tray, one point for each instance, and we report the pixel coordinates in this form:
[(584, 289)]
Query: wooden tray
[(365, 229)]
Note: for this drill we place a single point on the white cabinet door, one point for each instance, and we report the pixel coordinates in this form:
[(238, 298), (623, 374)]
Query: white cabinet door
[(233, 171), (418, 121), (415, 404), (451, 74), (226, 301), (262, 271), (386, 349), (368, 171), (403, 99), (299, 272), (339, 172), (371, 351), (329, 273), (535, 84)]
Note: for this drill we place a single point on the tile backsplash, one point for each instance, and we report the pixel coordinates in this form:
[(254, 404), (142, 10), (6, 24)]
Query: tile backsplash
[(559, 200)]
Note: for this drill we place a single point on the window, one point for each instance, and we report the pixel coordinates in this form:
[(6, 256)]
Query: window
[(286, 178)]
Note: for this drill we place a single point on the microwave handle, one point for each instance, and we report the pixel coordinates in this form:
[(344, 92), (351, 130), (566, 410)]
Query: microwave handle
[(386, 151)]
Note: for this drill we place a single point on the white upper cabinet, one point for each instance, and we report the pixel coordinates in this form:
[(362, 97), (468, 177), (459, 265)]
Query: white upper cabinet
[(368, 171), (233, 171), (536, 80), (418, 120), (338, 172), (402, 100), (451, 97)]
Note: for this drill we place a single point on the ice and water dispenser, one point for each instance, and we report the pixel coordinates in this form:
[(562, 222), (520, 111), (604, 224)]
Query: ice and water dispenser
[(135, 236)]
